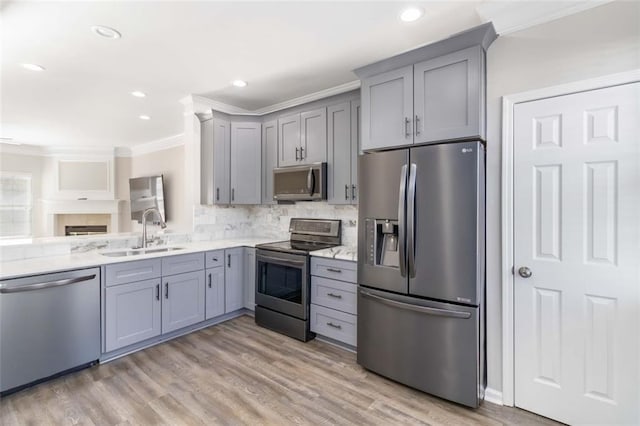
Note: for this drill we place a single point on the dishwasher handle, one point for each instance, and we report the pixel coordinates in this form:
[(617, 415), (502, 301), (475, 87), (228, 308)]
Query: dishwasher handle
[(50, 284)]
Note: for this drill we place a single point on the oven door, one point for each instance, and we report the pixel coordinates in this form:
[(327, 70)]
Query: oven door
[(282, 283)]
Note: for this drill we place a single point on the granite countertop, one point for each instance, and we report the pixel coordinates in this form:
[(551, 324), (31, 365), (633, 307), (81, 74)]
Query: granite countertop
[(65, 262), (339, 252)]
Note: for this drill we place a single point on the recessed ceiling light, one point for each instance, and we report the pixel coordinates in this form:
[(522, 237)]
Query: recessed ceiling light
[(105, 31), (138, 94), (33, 67), (239, 83), (144, 117), (411, 14)]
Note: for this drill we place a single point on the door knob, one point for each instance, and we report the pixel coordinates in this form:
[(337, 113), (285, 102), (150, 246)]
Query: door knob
[(524, 272)]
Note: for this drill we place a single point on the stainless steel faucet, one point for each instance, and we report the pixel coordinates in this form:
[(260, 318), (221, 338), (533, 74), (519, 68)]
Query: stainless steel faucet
[(144, 223)]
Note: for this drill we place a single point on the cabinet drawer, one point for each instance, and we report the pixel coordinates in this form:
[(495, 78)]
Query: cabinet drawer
[(334, 294), (214, 258), (334, 324), (127, 272), (342, 270), (183, 263)]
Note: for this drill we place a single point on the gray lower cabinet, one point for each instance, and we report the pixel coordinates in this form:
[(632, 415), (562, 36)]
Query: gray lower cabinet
[(183, 302), (342, 152), (214, 304), (333, 299), (133, 313), (234, 279), (250, 278)]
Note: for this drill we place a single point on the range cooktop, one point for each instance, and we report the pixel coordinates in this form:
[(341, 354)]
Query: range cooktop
[(308, 235), (297, 247)]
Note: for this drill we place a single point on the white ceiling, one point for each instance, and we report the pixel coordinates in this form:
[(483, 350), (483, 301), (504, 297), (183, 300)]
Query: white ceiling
[(170, 49)]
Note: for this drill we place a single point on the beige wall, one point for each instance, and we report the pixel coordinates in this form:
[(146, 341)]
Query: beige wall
[(604, 40), (122, 172), (33, 165), (170, 163)]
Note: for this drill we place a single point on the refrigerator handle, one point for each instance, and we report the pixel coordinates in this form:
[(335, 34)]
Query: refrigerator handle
[(401, 221), (417, 308), (411, 221)]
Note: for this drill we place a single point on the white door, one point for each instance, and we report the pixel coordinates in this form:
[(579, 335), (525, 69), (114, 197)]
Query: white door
[(576, 215)]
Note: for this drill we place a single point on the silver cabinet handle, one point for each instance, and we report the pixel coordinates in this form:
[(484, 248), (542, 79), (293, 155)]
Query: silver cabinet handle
[(297, 153), (401, 220), (417, 308), (310, 180), (217, 194), (233, 194), (346, 192), (166, 290), (49, 284), (407, 128), (525, 272), (228, 261), (157, 291), (338, 326), (339, 271), (411, 220), (301, 153), (417, 123), (353, 192), (335, 296), (209, 280)]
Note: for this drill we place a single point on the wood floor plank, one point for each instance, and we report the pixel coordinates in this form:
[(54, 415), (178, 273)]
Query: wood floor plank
[(237, 373)]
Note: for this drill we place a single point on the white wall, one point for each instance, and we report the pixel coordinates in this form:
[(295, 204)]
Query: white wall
[(604, 40)]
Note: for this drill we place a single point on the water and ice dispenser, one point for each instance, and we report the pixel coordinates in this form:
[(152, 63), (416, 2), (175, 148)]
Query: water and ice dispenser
[(382, 242)]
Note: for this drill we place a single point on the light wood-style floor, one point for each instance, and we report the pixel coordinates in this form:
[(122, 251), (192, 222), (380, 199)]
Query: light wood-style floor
[(238, 373)]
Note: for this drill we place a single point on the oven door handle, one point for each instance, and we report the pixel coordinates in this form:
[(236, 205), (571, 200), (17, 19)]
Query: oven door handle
[(279, 261)]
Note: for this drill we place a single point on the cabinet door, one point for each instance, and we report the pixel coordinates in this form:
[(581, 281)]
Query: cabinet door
[(183, 300), (387, 109), (132, 313), (221, 160), (339, 150), (449, 99), (313, 136), (207, 191), (355, 148), (233, 280), (250, 278), (288, 140), (214, 305), (269, 159), (246, 163)]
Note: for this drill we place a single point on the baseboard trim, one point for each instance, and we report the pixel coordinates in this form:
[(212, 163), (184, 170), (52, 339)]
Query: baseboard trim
[(493, 396)]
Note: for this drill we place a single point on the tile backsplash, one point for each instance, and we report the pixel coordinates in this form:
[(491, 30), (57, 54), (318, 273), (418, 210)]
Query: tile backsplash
[(211, 222)]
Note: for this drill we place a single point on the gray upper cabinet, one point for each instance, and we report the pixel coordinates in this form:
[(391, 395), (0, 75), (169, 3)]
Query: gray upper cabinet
[(342, 147), (234, 279), (246, 163), (221, 160), (387, 109), (269, 159), (448, 97), (183, 300), (302, 138), (289, 140), (430, 94), (313, 136)]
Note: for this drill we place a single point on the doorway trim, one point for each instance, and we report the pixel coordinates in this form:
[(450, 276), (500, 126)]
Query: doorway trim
[(507, 255)]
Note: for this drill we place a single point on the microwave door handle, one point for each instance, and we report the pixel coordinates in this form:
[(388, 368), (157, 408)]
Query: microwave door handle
[(401, 220), (310, 181)]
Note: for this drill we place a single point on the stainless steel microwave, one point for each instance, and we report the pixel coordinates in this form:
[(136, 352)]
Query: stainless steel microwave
[(300, 183)]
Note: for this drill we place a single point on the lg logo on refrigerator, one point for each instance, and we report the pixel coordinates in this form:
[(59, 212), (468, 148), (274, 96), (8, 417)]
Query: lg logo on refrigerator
[(466, 150)]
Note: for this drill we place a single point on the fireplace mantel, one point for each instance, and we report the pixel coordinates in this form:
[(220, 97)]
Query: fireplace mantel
[(53, 208)]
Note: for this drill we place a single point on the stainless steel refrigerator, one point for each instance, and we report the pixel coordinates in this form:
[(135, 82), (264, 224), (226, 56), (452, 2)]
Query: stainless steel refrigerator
[(421, 268)]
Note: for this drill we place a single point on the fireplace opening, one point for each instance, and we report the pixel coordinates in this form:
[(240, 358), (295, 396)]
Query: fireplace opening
[(74, 230)]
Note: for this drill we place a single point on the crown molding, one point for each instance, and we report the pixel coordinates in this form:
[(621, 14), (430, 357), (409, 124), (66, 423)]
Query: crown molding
[(157, 145), (196, 104), (20, 149), (510, 17)]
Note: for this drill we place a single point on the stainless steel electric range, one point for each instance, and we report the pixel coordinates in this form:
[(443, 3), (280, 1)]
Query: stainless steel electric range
[(283, 284)]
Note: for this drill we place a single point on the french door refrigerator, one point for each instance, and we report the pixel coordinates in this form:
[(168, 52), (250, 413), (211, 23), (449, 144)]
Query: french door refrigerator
[(421, 268)]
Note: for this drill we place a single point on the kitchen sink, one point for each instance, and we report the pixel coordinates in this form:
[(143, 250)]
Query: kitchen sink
[(141, 251)]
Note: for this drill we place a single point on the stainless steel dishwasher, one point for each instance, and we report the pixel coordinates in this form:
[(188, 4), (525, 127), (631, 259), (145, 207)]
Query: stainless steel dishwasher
[(49, 325)]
